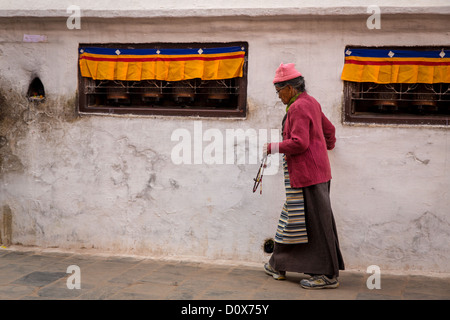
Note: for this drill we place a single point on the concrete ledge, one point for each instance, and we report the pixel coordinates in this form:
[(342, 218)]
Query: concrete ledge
[(175, 12)]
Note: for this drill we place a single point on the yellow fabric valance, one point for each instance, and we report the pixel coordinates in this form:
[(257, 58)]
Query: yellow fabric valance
[(396, 66), (162, 64)]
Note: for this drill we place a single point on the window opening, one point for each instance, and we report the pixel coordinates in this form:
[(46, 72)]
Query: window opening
[(213, 96), (398, 102)]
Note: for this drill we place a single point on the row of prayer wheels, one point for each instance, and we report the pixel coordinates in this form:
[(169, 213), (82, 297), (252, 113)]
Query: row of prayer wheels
[(387, 99), (183, 92)]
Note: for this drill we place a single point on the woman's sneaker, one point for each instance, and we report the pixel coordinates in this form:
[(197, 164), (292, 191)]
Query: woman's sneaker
[(277, 275), (319, 282)]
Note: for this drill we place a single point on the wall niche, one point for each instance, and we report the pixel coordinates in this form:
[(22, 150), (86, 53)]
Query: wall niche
[(36, 91)]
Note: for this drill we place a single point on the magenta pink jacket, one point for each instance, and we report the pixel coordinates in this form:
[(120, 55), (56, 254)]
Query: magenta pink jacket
[(307, 136)]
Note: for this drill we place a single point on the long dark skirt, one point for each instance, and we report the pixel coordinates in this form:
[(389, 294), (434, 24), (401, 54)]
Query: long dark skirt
[(321, 255)]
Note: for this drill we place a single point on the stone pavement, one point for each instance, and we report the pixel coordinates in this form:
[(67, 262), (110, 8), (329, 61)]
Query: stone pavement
[(42, 275)]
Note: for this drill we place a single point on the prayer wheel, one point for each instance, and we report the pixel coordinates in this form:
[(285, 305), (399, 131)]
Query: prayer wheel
[(117, 94), (183, 92), (424, 98), (386, 99), (217, 90), (151, 92)]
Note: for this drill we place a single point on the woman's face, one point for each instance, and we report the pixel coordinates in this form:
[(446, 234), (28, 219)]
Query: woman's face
[(285, 93)]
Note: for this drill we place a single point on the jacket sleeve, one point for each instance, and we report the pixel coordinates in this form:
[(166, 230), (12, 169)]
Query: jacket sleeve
[(329, 132), (298, 142)]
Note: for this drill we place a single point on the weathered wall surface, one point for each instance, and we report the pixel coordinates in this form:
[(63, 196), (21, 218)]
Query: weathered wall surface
[(73, 181)]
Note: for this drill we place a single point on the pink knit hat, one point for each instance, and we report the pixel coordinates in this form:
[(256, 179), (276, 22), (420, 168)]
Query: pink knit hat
[(286, 72)]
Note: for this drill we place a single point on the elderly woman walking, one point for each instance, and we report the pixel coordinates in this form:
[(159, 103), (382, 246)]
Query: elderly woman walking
[(306, 239)]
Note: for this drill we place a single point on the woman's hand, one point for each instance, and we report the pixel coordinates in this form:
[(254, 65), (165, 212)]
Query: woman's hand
[(265, 149)]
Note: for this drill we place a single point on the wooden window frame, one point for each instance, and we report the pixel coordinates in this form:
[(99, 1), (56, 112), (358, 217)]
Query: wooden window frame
[(237, 88), (362, 102)]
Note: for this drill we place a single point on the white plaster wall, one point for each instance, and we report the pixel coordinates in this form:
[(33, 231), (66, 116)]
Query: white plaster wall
[(208, 8), (109, 183)]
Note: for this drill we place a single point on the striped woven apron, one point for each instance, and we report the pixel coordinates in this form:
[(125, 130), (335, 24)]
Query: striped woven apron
[(291, 225)]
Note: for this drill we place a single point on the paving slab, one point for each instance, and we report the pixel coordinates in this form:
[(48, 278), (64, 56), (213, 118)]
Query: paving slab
[(40, 278), (40, 275)]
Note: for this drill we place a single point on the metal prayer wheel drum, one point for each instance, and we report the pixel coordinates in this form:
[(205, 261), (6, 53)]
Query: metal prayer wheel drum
[(151, 92), (386, 99), (117, 94), (216, 90), (424, 98), (183, 92)]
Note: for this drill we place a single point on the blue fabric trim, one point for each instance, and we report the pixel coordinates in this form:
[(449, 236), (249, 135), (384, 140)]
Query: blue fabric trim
[(384, 53), (138, 52)]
